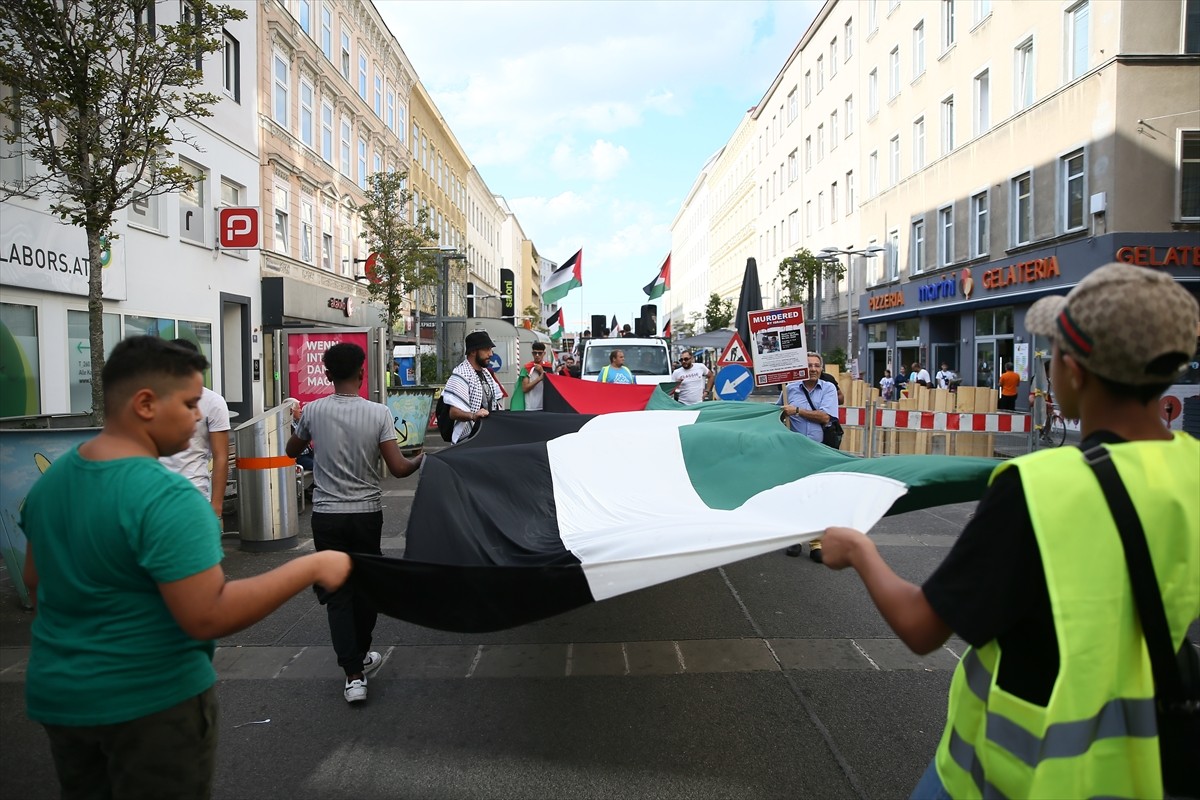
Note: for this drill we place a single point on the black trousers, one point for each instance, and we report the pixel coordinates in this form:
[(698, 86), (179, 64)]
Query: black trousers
[(351, 615)]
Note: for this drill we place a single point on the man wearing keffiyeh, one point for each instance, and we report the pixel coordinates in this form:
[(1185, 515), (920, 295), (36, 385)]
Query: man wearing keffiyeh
[(471, 391)]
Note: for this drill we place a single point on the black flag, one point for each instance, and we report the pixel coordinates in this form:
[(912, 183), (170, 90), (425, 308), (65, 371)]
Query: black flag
[(750, 300)]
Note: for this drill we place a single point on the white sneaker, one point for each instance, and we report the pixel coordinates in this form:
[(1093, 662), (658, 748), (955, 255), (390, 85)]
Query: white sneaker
[(372, 661), (356, 690)]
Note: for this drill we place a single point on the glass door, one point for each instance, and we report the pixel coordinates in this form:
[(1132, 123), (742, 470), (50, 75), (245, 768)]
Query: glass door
[(986, 373)]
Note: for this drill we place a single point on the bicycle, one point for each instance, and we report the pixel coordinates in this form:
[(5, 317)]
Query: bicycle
[(1054, 431)]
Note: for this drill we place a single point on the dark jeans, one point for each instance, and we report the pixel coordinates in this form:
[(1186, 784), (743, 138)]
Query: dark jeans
[(170, 753), (1007, 403), (351, 615)]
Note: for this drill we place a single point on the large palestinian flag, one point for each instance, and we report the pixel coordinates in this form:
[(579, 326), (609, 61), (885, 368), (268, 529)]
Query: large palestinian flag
[(540, 513)]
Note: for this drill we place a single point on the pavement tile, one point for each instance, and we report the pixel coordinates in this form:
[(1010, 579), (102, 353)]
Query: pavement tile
[(522, 661), (653, 658), (819, 654), (12, 663), (442, 661), (595, 658), (239, 663), (894, 654), (727, 655), (312, 662)]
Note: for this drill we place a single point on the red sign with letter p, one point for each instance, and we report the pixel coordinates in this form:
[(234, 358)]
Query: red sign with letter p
[(238, 227)]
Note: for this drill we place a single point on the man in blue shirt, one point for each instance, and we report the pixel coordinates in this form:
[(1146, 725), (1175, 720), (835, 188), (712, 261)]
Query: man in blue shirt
[(616, 371), (809, 415)]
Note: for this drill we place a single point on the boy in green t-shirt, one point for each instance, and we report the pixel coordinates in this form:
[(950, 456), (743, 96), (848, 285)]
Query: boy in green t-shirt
[(130, 595)]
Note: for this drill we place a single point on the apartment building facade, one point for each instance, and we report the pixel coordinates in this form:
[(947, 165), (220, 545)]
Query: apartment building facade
[(164, 273), (731, 235), (691, 265)]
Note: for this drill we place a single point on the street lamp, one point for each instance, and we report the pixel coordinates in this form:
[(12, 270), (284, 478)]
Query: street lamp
[(835, 254)]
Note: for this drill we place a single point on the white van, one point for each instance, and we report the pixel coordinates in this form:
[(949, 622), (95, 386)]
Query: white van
[(648, 359)]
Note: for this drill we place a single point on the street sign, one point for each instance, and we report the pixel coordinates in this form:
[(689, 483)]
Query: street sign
[(735, 353), (495, 363), (238, 227), (779, 345), (372, 262), (734, 382)]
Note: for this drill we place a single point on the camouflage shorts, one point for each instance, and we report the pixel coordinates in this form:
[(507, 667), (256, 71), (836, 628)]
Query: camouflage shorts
[(170, 753)]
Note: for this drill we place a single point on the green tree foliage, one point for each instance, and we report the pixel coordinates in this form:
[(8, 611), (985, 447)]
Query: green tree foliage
[(534, 314), (403, 243), (98, 93), (718, 313), (798, 274)]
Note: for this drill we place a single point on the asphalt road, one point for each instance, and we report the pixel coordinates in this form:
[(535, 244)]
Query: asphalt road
[(773, 677)]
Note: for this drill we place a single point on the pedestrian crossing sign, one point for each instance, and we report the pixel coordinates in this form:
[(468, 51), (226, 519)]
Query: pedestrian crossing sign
[(735, 353)]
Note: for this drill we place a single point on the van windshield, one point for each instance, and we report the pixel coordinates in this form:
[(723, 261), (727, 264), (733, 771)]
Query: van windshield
[(641, 359)]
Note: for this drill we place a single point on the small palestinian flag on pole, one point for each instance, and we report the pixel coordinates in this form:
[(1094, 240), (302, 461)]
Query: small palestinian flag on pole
[(667, 329), (655, 288), (562, 280), (555, 324)]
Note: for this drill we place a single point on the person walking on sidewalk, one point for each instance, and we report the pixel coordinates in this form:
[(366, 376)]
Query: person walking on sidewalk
[(209, 442), (1039, 573), (347, 510), (130, 595), (809, 406)]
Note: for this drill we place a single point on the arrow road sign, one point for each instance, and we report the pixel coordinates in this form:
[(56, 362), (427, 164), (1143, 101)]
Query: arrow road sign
[(733, 382)]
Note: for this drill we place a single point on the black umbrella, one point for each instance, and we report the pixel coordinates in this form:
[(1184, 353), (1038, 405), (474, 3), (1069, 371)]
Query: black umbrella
[(750, 300)]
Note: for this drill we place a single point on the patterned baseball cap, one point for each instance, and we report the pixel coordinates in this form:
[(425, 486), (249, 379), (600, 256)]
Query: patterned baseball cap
[(1132, 325)]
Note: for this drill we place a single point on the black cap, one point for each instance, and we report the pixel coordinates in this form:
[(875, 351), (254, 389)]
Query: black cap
[(539, 345), (478, 340)]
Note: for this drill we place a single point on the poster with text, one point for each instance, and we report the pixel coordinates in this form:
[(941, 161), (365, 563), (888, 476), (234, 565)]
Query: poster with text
[(779, 345), (306, 369)]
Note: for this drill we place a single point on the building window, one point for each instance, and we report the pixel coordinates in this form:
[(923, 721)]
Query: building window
[(327, 132), (231, 193), (919, 50), (306, 231), (808, 158), (820, 73), (362, 75), (12, 156), (820, 210), (327, 238), (1073, 190), (833, 202), (821, 141), (982, 9), (849, 193), (400, 122), (793, 168), (305, 16), (1189, 173), (873, 173), (1022, 209), (833, 58), (947, 125), (848, 37), (281, 220), (21, 324), (808, 217), (192, 204), (793, 228), (792, 106), (849, 115), (146, 209), (191, 18), (282, 84), (807, 87), (872, 93), (872, 16), (916, 254), (919, 144), (894, 160), (376, 162), (362, 163), (345, 147), (894, 73), (231, 68), (833, 130), (947, 24), (983, 103), (307, 123), (1077, 37), (893, 255), (1023, 75), (391, 112), (979, 225), (945, 236), (327, 32), (345, 55)]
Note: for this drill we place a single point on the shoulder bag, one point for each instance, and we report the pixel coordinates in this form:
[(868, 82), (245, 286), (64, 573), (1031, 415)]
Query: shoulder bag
[(831, 434), (1176, 675)]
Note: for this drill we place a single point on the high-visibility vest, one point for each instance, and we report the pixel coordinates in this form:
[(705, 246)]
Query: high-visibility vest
[(1098, 733)]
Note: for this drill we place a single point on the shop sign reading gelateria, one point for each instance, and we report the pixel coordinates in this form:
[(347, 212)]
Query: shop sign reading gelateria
[(882, 301), (1039, 269), (1160, 256)]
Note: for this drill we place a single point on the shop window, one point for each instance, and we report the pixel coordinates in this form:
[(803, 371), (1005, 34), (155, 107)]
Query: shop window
[(79, 358), (192, 203), (876, 332), (145, 210), (908, 330), (994, 321), (19, 361)]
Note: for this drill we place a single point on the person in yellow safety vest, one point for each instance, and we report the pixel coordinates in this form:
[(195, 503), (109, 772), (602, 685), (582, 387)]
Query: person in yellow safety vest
[(1055, 696)]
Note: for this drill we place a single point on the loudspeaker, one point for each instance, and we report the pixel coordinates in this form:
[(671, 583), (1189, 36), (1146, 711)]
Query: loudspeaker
[(650, 319), (641, 329), (599, 326)]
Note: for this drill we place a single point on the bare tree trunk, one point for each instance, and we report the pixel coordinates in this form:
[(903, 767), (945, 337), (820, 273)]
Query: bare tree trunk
[(96, 321)]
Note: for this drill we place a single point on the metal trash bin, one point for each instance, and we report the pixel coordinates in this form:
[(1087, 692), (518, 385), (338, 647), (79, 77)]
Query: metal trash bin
[(268, 506)]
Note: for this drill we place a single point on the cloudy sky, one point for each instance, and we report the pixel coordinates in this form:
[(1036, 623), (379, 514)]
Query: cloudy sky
[(593, 119)]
